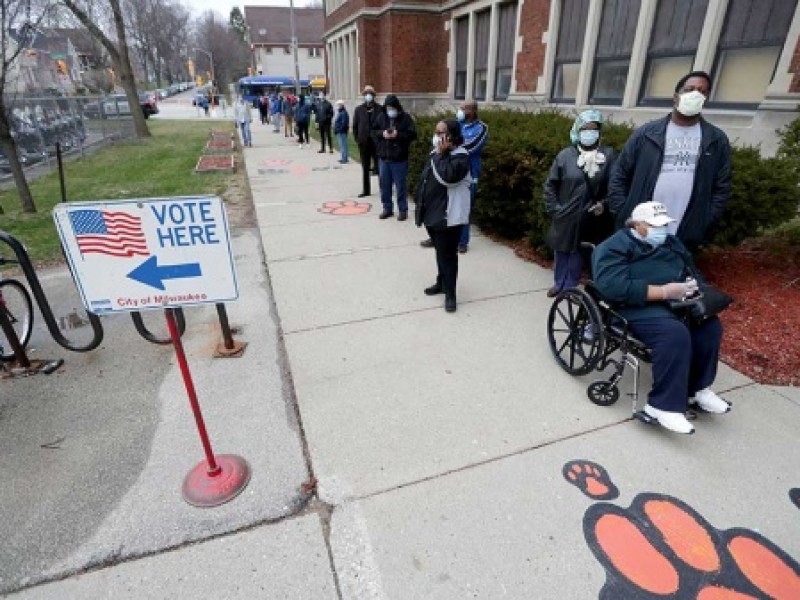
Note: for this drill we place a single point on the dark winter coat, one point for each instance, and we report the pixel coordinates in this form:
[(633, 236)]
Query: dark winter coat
[(623, 266), (396, 149), (568, 193), (323, 112), (341, 124), (636, 172), (302, 113), (364, 117), (431, 196)]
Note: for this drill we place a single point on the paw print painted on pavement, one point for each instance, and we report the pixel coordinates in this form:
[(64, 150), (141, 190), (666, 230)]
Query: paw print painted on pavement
[(591, 479), (276, 163), (660, 547), (345, 207), (794, 495)]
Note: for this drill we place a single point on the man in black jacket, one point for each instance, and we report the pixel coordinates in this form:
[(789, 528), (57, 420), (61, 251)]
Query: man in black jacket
[(393, 132), (364, 117), (324, 119), (681, 161)]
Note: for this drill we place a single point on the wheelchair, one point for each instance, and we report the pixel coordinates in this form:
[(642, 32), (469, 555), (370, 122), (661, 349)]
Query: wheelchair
[(586, 334)]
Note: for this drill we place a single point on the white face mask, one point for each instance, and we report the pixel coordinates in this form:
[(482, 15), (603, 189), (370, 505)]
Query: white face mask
[(691, 103), (369, 98), (391, 113), (436, 140), (656, 235)]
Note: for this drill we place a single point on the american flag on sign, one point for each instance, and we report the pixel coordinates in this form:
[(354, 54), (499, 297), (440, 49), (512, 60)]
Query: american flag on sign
[(107, 232)]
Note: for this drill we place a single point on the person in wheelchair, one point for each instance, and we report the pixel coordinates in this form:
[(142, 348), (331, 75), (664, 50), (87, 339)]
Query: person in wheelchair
[(639, 270)]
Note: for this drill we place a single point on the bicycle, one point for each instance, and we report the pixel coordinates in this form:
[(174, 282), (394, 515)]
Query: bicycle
[(15, 302)]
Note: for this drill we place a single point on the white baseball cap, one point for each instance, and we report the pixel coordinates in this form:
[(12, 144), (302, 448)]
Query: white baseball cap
[(652, 213)]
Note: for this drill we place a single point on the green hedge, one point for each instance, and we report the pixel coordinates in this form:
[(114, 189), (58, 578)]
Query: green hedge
[(522, 147)]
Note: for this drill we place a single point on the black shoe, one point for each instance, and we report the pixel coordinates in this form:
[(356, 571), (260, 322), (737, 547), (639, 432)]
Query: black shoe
[(436, 288), (402, 216), (552, 292), (385, 214), (321, 151), (426, 243), (363, 195), (375, 173), (462, 249), (450, 304)]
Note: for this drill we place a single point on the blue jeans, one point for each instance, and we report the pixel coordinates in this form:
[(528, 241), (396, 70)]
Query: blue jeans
[(567, 270), (393, 172), (464, 241), (342, 139), (245, 127)]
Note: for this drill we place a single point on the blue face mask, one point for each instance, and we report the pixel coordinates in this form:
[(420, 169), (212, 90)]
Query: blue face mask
[(588, 137), (656, 235), (391, 113)]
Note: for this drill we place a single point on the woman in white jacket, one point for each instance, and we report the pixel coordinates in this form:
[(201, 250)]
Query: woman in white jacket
[(443, 204)]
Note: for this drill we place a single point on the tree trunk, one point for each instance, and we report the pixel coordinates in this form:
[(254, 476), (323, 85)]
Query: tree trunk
[(9, 147), (119, 57)]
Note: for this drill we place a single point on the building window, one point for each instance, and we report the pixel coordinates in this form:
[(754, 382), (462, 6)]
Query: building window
[(462, 37), (673, 44), (315, 52), (268, 50), (749, 48), (571, 33), (613, 54), (482, 22), (287, 50), (507, 26)]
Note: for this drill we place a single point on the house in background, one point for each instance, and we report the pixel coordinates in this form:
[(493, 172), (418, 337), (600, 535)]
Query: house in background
[(622, 56), (270, 34)]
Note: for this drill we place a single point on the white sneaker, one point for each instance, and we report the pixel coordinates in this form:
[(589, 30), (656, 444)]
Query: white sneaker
[(674, 421), (300, 146), (711, 403)]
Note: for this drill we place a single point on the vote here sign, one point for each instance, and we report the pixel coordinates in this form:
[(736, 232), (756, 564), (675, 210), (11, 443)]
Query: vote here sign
[(148, 253)]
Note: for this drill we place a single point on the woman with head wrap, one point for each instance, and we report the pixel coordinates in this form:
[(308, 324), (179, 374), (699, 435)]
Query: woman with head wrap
[(575, 197)]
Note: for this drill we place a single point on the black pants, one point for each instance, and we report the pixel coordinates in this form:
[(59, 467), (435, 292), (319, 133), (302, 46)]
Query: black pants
[(302, 133), (445, 241), (325, 131), (369, 161)]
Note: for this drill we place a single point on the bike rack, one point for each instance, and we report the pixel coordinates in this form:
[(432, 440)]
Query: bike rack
[(44, 306)]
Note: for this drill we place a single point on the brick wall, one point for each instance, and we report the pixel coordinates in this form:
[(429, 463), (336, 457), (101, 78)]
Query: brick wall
[(404, 53), (534, 18)]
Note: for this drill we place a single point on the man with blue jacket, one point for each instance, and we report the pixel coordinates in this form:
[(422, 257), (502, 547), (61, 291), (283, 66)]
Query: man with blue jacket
[(681, 161), (476, 134)]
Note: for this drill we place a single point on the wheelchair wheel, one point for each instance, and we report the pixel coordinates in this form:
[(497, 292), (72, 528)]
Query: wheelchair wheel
[(603, 393), (575, 332)]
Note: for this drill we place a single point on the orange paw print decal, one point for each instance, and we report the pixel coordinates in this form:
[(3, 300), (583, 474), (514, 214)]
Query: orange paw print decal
[(345, 207), (590, 478), (276, 163), (660, 547)]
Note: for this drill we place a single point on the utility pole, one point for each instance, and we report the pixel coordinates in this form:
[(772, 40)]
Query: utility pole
[(294, 50)]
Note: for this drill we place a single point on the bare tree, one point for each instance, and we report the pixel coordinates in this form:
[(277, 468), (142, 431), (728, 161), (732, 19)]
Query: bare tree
[(118, 52), (21, 17), (230, 51)]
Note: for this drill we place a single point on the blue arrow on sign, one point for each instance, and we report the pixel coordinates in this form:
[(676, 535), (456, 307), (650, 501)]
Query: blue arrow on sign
[(150, 273)]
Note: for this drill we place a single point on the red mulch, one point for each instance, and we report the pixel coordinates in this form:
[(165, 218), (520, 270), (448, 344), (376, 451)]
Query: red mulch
[(762, 326)]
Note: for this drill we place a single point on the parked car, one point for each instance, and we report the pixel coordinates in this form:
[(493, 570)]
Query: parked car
[(147, 100)]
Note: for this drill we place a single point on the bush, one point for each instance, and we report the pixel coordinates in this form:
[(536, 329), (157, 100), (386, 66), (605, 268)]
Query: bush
[(764, 194), (521, 149)]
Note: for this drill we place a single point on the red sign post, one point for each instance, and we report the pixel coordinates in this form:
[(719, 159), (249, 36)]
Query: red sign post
[(215, 480)]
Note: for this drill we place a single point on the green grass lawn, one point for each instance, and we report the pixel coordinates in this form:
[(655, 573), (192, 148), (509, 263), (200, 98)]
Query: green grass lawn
[(160, 166)]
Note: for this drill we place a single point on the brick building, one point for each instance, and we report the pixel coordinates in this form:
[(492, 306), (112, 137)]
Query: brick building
[(623, 56)]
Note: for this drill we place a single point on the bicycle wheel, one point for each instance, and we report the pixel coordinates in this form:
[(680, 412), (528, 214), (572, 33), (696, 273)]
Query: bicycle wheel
[(15, 301)]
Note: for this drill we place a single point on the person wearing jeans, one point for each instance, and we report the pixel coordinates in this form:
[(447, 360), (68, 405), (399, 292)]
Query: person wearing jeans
[(341, 125), (393, 132), (244, 118)]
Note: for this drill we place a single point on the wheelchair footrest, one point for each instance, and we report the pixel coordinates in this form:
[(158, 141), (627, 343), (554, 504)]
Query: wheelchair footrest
[(644, 417)]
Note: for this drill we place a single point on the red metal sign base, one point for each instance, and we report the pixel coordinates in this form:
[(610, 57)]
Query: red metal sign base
[(205, 488)]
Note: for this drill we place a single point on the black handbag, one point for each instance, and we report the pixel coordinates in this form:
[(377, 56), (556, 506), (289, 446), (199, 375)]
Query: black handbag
[(709, 302)]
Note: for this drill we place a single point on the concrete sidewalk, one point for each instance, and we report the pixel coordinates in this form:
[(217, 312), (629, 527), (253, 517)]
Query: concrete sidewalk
[(440, 442)]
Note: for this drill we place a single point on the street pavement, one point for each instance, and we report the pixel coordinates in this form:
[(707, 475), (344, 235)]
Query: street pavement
[(452, 457)]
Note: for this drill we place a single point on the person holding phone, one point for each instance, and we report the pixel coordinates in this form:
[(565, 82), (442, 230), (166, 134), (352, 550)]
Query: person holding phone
[(393, 132), (443, 205)]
